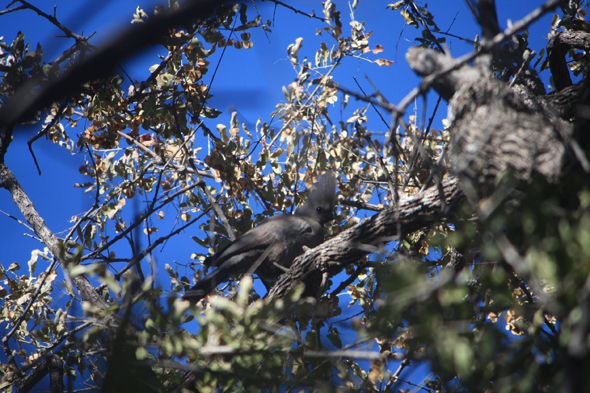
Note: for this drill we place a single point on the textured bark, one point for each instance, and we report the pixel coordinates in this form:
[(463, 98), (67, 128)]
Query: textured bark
[(33, 378), (566, 101), (557, 49), (56, 374), (496, 128), (54, 366), (426, 62), (370, 235)]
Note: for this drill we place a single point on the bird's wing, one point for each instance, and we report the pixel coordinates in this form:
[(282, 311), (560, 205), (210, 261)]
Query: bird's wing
[(280, 228)]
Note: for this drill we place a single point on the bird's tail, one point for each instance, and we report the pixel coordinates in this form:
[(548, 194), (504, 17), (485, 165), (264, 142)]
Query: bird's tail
[(207, 284)]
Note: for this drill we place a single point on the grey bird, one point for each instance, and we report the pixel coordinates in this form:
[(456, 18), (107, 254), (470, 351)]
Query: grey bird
[(269, 249)]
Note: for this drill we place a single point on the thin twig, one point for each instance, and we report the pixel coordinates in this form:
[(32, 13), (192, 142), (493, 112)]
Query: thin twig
[(53, 20), (201, 183), (312, 15), (158, 159), (427, 160), (381, 117), (349, 280), (50, 351), (19, 221), (97, 194), (140, 219), (328, 83), (135, 95), (26, 310), (20, 7), (45, 130), (137, 258), (395, 377)]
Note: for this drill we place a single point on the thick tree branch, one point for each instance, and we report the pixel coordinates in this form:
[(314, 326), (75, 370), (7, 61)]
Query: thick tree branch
[(557, 49), (495, 127), (54, 20), (370, 235)]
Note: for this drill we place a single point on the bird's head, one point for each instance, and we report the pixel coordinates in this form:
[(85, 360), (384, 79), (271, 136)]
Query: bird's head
[(321, 199)]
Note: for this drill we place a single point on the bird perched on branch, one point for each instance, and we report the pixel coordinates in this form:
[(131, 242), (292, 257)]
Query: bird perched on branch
[(270, 248)]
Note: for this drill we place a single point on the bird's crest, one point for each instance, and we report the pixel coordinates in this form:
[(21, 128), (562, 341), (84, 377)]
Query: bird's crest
[(323, 191), (321, 199)]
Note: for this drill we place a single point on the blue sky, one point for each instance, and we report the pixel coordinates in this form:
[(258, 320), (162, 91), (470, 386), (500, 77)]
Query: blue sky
[(249, 81)]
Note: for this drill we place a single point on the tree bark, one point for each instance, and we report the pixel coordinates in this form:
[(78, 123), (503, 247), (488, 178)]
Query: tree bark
[(370, 235), (557, 49), (25, 205), (496, 128), (56, 374)]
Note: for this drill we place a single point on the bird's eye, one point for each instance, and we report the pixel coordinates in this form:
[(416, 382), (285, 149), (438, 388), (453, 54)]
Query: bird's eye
[(319, 209)]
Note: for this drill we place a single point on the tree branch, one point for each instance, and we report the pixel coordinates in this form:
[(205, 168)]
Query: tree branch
[(21, 199), (369, 235)]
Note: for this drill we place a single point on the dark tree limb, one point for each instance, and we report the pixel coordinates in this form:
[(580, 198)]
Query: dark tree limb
[(487, 19), (557, 49), (56, 374), (53, 366), (23, 105)]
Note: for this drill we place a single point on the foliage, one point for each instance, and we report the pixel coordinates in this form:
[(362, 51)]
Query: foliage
[(157, 142)]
